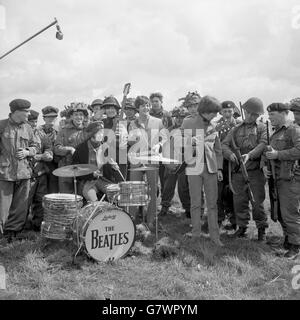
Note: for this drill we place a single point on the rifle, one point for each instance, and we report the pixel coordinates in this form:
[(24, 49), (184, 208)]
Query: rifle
[(241, 110), (272, 183), (244, 171)]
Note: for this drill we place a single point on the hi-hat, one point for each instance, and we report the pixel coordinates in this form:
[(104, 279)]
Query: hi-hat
[(75, 170)]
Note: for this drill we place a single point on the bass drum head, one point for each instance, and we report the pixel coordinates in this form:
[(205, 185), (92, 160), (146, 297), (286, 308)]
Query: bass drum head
[(110, 235)]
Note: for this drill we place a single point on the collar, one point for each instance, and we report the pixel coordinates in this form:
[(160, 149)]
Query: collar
[(157, 113)]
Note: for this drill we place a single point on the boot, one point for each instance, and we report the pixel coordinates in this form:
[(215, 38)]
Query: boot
[(240, 233), (261, 235), (286, 244), (294, 252)]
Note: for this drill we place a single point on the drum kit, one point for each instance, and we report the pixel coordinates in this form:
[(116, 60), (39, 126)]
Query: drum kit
[(104, 230)]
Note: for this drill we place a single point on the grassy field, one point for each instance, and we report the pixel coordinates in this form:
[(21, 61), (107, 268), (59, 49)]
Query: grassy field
[(244, 269)]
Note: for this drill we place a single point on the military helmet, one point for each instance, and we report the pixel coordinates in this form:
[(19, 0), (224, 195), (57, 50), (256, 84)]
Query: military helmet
[(129, 103), (75, 107), (111, 101), (191, 98), (295, 105), (254, 105)]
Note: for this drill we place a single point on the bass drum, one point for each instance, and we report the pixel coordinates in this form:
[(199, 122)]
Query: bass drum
[(104, 231)]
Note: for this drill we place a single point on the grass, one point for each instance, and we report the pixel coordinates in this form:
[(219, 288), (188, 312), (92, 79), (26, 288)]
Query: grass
[(244, 269)]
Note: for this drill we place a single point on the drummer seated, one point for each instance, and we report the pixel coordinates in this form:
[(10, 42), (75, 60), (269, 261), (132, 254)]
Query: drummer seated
[(92, 152)]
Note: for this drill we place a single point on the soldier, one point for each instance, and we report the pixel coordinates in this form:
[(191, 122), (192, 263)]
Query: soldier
[(191, 102), (225, 197), (38, 186), (17, 143), (97, 110), (130, 111), (157, 111), (116, 136), (250, 138), (208, 169), (295, 108), (171, 177), (50, 115), (68, 138), (285, 152)]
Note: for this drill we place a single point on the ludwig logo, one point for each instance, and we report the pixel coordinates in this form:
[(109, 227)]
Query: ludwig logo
[(296, 278)]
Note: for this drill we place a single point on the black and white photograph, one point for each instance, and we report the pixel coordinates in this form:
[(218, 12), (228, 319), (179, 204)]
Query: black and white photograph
[(149, 151)]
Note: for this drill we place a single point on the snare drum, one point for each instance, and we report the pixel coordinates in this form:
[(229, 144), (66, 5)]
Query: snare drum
[(59, 212), (112, 192), (133, 193), (104, 231)]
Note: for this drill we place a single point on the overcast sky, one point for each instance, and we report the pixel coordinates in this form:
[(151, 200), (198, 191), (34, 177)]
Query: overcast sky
[(229, 49)]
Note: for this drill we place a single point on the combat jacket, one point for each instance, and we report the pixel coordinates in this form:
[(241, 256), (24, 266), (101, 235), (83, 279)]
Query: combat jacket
[(45, 152), (69, 136), (250, 138), (12, 137), (286, 140)]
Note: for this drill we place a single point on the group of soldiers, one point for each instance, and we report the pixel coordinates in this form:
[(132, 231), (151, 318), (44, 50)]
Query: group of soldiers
[(231, 156)]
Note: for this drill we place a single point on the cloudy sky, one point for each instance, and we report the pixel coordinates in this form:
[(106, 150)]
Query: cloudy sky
[(231, 49)]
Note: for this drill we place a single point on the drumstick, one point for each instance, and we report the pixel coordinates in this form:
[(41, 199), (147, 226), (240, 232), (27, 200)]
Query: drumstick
[(120, 173), (102, 197)]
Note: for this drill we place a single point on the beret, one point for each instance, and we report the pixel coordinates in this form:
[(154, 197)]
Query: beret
[(50, 111), (111, 101), (19, 104), (295, 105), (97, 102), (278, 106), (254, 105), (33, 115), (228, 104)]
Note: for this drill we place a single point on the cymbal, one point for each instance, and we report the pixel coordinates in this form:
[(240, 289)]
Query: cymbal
[(76, 170), (143, 168), (155, 158)]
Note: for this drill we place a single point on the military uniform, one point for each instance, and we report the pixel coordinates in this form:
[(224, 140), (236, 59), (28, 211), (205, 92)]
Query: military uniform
[(38, 185), (286, 141), (117, 143), (69, 136), (251, 139), (225, 196), (15, 174)]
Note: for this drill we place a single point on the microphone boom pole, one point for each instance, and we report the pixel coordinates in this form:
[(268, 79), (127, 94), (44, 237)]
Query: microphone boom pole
[(36, 34)]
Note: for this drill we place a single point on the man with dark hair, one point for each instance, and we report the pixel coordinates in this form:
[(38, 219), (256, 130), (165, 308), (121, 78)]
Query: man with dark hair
[(250, 137), (130, 111), (97, 110), (146, 134), (204, 165), (225, 197), (284, 151), (157, 111), (91, 151), (17, 144), (68, 139), (38, 188)]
